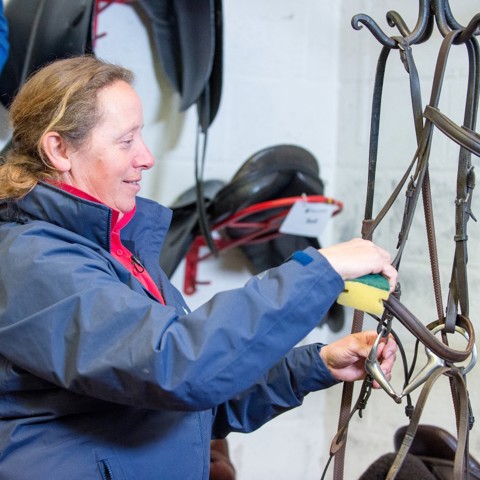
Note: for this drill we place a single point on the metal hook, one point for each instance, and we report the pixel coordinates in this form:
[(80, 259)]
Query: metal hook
[(444, 17), (423, 29), (362, 19), (453, 24), (470, 30)]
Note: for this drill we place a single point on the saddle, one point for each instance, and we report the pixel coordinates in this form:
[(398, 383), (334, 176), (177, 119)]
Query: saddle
[(275, 172), (188, 38), (246, 213), (431, 457)]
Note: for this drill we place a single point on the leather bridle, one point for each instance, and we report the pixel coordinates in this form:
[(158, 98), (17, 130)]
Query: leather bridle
[(415, 181)]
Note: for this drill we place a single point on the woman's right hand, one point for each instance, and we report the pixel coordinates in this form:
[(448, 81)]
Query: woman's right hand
[(359, 257)]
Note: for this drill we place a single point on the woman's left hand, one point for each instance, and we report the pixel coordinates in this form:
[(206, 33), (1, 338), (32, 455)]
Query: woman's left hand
[(345, 358)]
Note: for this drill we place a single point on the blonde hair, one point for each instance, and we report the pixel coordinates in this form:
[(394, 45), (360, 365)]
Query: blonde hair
[(61, 97)]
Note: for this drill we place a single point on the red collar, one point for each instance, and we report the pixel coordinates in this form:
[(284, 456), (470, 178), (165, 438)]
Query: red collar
[(118, 250)]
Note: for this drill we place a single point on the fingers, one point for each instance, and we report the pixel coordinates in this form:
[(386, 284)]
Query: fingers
[(390, 348), (386, 364), (359, 257), (345, 358), (391, 274), (386, 357), (386, 352), (385, 267)]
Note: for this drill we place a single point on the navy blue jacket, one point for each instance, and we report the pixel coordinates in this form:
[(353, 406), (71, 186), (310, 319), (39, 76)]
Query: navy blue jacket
[(100, 380)]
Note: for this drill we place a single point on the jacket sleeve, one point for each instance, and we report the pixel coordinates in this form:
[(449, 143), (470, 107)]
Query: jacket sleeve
[(4, 43), (74, 318), (282, 388)]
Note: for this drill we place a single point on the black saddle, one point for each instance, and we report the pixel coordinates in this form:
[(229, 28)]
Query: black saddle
[(188, 37), (273, 173), (41, 31)]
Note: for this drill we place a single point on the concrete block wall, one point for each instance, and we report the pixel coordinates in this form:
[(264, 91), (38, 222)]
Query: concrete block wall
[(296, 72)]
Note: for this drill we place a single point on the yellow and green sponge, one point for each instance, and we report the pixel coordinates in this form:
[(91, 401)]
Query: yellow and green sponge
[(366, 293)]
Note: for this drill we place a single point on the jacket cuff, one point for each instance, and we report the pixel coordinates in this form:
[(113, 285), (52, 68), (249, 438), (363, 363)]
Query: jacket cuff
[(314, 374), (325, 373)]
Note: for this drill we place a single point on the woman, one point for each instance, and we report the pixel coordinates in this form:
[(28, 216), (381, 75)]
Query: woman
[(104, 371)]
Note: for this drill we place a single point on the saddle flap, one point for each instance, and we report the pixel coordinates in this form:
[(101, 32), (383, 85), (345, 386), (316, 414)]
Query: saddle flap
[(188, 40), (41, 31), (431, 443)]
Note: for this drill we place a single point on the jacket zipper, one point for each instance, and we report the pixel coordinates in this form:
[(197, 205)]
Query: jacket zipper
[(137, 264), (105, 470)]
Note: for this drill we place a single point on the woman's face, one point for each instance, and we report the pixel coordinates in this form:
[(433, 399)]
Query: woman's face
[(110, 164)]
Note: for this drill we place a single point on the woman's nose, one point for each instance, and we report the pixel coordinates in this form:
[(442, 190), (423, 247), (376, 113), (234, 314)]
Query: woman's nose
[(144, 158)]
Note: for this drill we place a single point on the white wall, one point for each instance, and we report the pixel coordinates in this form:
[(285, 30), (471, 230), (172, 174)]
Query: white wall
[(296, 72)]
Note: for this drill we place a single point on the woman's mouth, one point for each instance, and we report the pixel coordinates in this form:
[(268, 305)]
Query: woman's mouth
[(134, 184)]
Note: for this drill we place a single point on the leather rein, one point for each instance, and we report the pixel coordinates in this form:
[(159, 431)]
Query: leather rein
[(455, 317)]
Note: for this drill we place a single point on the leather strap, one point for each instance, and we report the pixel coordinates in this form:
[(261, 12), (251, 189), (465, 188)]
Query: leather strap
[(419, 181), (460, 464), (459, 134), (340, 440), (422, 333), (412, 428)]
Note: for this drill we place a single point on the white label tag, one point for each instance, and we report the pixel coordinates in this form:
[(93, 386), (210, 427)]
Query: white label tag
[(307, 219)]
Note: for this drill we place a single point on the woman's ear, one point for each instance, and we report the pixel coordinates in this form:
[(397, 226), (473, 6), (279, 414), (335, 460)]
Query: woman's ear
[(56, 149)]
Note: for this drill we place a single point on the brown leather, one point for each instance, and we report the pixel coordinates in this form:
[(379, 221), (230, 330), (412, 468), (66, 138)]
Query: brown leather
[(432, 13), (420, 331), (412, 469), (433, 442), (461, 453)]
